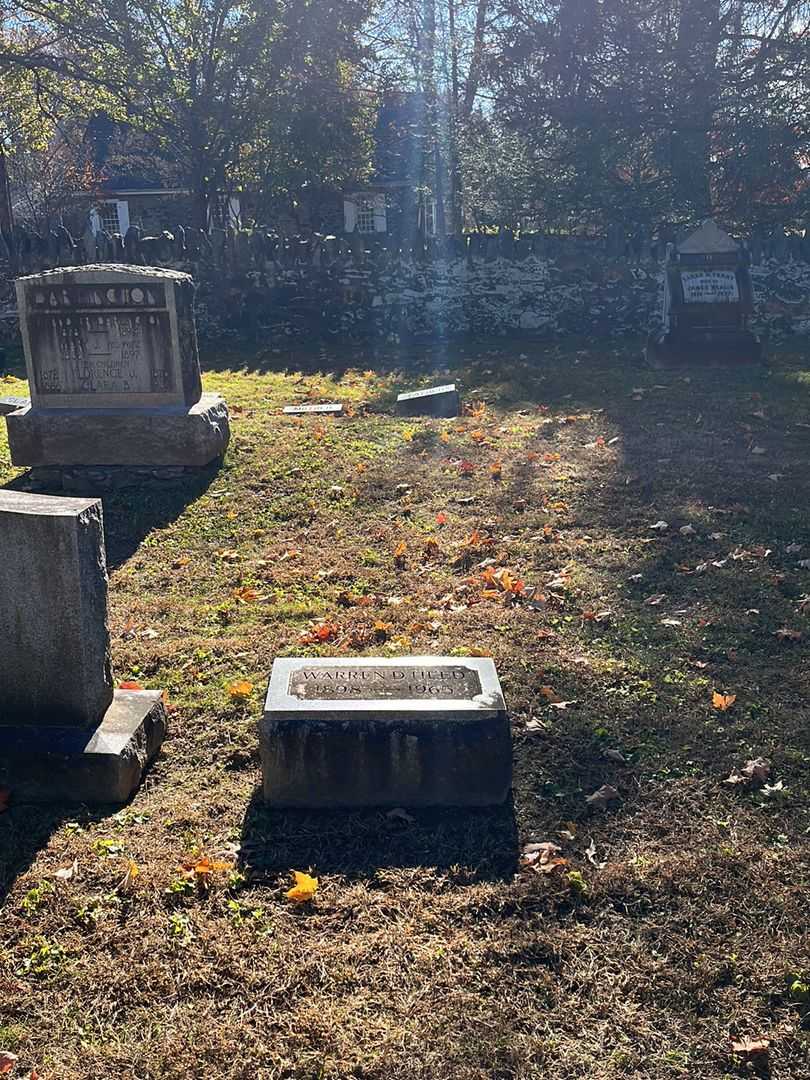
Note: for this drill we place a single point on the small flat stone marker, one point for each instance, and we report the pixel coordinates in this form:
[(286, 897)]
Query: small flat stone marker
[(332, 409), (65, 733), (378, 731), (11, 404), (435, 401)]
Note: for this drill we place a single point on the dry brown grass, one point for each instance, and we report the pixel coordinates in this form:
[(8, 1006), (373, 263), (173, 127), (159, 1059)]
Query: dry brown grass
[(428, 952)]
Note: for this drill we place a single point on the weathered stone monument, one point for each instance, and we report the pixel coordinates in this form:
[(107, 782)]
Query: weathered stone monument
[(708, 301), (413, 731), (441, 401), (114, 376), (65, 733)]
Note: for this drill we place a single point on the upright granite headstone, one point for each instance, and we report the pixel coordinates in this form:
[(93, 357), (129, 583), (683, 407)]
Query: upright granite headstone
[(65, 733), (414, 731), (708, 301), (113, 372)]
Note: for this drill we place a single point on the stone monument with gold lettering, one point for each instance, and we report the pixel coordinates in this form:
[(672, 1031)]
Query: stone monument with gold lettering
[(114, 376)]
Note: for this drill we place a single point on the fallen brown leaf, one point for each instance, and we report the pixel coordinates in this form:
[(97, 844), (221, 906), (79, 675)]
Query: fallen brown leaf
[(600, 798), (750, 1048)]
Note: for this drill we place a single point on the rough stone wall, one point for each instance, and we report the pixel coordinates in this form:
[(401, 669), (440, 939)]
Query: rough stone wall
[(258, 285)]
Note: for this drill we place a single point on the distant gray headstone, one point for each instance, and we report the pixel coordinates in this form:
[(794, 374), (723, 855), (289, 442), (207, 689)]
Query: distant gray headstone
[(374, 731), (434, 401)]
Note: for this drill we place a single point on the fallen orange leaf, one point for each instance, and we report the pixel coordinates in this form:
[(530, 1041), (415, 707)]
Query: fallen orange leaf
[(320, 632), (240, 689), (723, 701), (245, 594), (129, 684), (304, 889)]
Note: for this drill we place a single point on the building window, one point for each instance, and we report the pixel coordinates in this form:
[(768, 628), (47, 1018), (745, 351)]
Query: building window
[(225, 211), (111, 216), (365, 213), (430, 217)]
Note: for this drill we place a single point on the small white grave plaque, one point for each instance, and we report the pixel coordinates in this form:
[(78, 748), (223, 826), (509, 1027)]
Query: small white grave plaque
[(332, 409)]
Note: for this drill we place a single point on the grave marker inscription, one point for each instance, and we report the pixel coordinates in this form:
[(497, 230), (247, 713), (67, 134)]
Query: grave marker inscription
[(331, 409), (108, 343)]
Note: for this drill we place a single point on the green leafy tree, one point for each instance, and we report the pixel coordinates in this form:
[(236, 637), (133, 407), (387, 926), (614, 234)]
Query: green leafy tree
[(650, 109), (207, 80)]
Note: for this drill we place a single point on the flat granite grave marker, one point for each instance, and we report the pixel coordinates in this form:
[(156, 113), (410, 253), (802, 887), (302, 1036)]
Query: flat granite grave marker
[(65, 733), (377, 731), (332, 409), (11, 404), (114, 372), (434, 401)]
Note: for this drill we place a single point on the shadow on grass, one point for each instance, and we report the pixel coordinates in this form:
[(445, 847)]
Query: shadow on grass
[(26, 828), (133, 513), (335, 358), (356, 843)]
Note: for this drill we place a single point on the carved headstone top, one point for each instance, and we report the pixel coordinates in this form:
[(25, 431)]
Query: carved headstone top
[(370, 685), (109, 336), (709, 239)]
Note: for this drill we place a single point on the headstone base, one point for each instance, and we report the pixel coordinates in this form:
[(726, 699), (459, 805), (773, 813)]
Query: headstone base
[(673, 350), (163, 437), (97, 765), (101, 479)]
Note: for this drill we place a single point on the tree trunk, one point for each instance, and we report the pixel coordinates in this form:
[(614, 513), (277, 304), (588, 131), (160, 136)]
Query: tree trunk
[(434, 134), (695, 94), (456, 215), (477, 60), (7, 215)]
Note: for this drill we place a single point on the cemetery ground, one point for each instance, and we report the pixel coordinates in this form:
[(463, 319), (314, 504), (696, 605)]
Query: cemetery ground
[(632, 548)]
